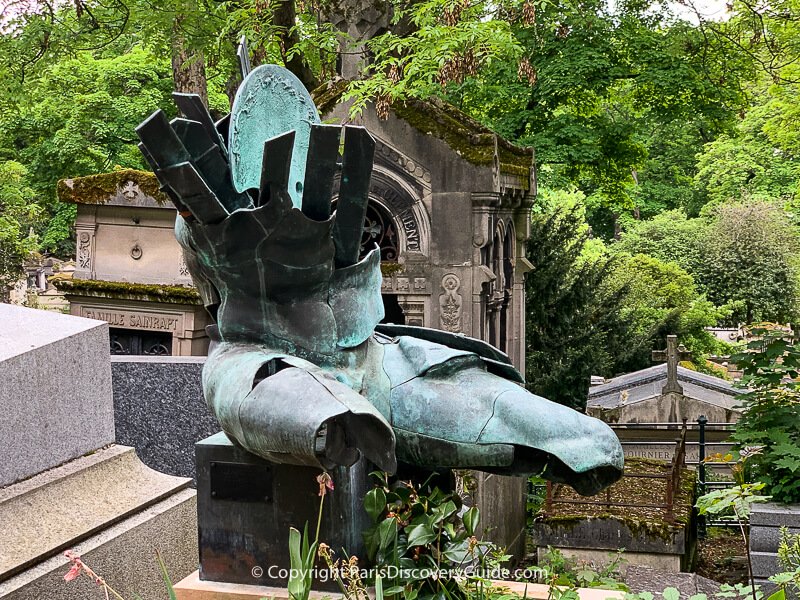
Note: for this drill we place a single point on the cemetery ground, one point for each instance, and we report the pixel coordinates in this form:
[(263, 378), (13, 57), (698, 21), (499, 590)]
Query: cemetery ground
[(71, 486)]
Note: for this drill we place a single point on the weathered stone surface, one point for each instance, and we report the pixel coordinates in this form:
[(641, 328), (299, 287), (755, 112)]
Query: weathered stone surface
[(498, 497), (124, 555), (766, 539), (638, 398), (647, 579), (765, 564), (57, 509), (246, 506), (652, 449), (776, 515), (607, 534), (159, 409), (765, 523), (670, 563), (56, 392), (192, 588)]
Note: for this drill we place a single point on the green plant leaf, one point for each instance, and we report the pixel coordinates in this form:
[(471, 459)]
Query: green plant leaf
[(671, 593), (457, 553), (778, 595), (165, 576), (295, 584), (375, 503), (378, 587), (586, 575), (420, 535), (386, 533), (471, 519)]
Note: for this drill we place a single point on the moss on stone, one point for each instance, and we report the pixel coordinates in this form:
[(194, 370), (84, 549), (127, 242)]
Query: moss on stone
[(327, 95), (100, 188), (639, 520), (637, 527), (174, 294), (470, 139), (389, 268)]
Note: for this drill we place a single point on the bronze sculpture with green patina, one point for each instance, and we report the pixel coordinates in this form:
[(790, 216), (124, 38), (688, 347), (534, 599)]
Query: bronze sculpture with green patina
[(300, 370)]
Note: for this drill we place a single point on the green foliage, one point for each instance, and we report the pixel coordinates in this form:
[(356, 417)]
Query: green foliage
[(77, 117), (616, 99), (789, 557), (662, 299), (420, 532), (162, 567), (302, 555), (752, 262), (573, 325), (438, 41), (80, 114), (669, 237), (737, 500), (771, 419), (19, 212), (570, 574), (749, 163), (743, 257)]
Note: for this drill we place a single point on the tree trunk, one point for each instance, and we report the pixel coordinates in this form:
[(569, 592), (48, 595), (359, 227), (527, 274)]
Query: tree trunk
[(188, 66), (285, 17)]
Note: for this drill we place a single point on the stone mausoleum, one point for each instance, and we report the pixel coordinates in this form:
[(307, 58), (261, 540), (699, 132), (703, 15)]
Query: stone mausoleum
[(129, 270), (450, 205)]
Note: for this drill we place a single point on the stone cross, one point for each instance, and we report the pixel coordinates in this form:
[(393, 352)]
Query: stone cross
[(672, 356)]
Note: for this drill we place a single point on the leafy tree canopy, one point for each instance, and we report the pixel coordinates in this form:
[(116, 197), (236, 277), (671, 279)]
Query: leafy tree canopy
[(18, 214), (752, 262), (669, 237)]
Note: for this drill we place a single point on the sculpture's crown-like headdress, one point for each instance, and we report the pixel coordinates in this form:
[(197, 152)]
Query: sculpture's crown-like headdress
[(271, 262)]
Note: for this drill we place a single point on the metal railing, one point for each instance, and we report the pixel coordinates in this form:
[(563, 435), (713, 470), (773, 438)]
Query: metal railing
[(672, 480), (679, 460)]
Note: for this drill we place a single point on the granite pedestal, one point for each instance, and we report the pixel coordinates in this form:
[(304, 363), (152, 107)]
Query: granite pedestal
[(597, 540), (64, 484), (246, 505), (56, 390)]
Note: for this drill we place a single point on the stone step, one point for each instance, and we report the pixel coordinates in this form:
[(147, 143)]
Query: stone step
[(193, 588), (124, 555), (765, 564), (767, 539), (55, 510), (775, 515)]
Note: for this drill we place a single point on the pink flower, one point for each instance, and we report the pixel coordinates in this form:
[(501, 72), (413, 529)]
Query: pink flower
[(325, 483), (74, 571), (77, 566)]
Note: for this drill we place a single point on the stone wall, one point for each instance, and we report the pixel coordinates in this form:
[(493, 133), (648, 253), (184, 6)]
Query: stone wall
[(766, 521), (159, 409)]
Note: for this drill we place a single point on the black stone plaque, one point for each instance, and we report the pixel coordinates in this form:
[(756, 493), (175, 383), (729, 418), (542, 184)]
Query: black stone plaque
[(241, 482), (245, 506)]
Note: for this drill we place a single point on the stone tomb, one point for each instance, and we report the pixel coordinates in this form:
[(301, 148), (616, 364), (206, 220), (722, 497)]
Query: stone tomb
[(647, 419), (593, 529), (597, 541), (130, 270), (665, 393), (766, 522), (65, 484)]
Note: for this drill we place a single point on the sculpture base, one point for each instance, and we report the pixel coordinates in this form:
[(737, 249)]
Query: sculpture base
[(192, 588), (246, 505)]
